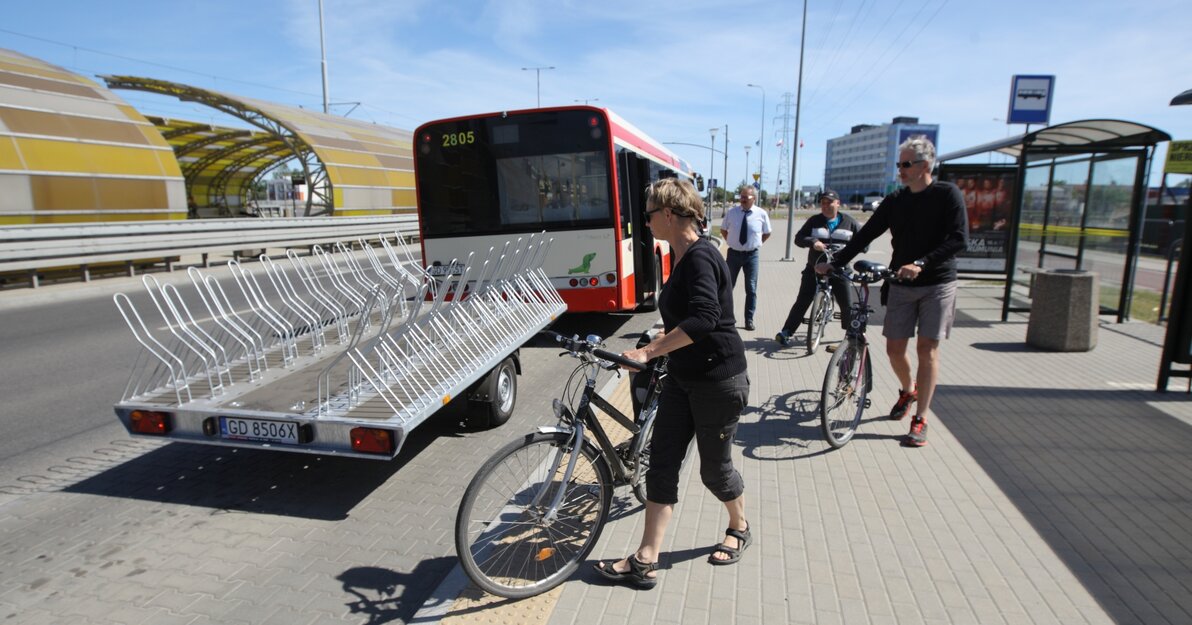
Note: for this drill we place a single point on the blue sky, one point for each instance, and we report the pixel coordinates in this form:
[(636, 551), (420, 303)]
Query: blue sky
[(674, 70)]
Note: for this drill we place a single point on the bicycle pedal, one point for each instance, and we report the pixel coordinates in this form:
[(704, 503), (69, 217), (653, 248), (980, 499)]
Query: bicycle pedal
[(836, 315), (867, 402)]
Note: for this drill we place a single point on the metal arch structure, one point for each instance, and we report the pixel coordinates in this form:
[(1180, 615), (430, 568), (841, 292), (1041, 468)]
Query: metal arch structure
[(214, 158), (312, 168), (243, 170), (351, 167)]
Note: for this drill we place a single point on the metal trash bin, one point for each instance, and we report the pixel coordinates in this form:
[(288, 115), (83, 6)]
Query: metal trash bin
[(1064, 308)]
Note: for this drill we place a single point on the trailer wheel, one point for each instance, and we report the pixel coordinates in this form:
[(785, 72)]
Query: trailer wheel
[(499, 389)]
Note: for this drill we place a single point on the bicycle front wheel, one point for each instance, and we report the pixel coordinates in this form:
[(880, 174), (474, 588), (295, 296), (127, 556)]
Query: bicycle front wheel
[(845, 393), (815, 325), (507, 538), (641, 452)]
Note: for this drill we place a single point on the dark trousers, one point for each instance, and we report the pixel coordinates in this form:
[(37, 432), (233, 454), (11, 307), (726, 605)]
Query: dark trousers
[(708, 411), (841, 290), (751, 263)]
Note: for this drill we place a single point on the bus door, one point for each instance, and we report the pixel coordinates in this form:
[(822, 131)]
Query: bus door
[(635, 175)]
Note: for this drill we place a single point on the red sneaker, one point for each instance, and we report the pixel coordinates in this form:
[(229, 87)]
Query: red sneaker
[(918, 434), (903, 404)]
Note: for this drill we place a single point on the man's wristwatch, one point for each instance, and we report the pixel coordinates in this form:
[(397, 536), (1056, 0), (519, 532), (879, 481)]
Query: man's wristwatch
[(919, 263)]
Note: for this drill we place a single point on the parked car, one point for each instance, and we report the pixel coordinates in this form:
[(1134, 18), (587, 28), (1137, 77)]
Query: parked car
[(871, 203)]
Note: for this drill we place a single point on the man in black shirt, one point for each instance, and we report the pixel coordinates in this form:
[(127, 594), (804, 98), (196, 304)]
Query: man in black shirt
[(928, 225)]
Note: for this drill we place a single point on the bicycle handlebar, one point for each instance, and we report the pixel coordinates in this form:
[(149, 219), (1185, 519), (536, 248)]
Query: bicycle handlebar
[(867, 273), (577, 345)]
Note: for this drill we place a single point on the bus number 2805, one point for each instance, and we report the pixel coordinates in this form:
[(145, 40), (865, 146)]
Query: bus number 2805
[(459, 138)]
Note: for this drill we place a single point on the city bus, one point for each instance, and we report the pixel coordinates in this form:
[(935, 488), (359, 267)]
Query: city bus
[(578, 173)]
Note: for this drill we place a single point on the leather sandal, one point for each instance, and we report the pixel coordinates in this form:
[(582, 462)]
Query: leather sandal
[(744, 538), (637, 575)]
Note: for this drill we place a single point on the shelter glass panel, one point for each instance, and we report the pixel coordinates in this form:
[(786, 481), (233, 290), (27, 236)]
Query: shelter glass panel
[(1111, 193)]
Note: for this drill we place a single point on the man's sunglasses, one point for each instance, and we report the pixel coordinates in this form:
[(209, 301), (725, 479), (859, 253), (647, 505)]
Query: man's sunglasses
[(909, 164)]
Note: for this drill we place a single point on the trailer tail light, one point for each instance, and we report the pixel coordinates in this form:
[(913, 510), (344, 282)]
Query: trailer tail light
[(149, 422), (593, 281), (372, 441), (610, 277)]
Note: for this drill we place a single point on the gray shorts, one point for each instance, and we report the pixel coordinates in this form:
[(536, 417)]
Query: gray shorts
[(932, 308)]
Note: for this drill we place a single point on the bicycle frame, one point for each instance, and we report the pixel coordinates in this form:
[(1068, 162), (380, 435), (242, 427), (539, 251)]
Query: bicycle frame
[(585, 419)]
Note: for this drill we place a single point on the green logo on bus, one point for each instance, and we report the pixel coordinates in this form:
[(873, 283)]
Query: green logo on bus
[(585, 266)]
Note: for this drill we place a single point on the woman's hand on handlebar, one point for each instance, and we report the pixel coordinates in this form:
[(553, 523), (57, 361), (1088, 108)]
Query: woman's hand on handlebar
[(636, 355)]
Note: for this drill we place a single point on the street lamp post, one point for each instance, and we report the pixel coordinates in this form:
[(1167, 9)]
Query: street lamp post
[(761, 156), (711, 164), (746, 164), (790, 210), (724, 181), (538, 80)]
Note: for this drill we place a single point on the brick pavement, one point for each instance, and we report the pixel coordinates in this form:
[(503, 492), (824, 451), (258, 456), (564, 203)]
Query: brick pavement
[(1055, 489)]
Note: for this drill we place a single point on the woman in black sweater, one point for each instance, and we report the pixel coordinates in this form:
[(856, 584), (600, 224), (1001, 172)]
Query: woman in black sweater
[(706, 389)]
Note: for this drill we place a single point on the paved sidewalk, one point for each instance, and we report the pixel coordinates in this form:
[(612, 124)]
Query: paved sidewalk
[(1056, 488)]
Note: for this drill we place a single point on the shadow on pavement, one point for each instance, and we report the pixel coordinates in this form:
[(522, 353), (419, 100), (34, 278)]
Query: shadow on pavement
[(787, 427), (376, 594), (250, 480), (1103, 476)]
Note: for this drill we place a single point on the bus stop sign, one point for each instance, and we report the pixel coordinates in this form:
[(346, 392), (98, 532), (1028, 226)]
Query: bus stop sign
[(1030, 99)]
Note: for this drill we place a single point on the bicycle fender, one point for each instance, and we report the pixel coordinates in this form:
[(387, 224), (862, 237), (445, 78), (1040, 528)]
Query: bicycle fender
[(552, 429)]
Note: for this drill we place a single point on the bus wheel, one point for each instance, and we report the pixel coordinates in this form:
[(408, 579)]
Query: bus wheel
[(651, 303), (496, 396)]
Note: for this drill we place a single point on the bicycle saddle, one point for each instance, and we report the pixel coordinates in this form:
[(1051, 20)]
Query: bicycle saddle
[(868, 266)]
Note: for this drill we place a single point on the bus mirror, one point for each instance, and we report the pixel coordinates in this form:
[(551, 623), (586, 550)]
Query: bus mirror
[(699, 183)]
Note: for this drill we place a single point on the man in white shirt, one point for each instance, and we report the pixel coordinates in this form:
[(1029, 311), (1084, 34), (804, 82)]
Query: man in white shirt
[(745, 229)]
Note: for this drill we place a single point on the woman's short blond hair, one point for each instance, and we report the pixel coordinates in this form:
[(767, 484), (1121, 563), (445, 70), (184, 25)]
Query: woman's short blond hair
[(676, 194)]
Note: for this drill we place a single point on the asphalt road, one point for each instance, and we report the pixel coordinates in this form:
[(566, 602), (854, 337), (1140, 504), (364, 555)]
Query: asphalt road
[(230, 525), (66, 357)]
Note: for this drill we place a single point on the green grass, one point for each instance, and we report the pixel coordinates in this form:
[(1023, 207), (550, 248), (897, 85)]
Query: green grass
[(1144, 306)]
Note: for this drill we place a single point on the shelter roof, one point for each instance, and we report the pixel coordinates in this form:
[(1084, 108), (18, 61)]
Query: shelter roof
[(1079, 137)]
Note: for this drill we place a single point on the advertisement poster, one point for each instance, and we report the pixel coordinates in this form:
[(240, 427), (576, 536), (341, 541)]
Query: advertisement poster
[(989, 198), (931, 134)]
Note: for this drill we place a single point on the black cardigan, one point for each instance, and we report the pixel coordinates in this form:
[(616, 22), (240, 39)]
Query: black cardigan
[(698, 297)]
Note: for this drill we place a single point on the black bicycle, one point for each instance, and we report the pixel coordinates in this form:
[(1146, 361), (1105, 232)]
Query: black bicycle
[(536, 508), (849, 377), (823, 303)]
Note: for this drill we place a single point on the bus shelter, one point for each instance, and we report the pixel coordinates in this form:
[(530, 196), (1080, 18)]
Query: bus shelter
[(1073, 197)]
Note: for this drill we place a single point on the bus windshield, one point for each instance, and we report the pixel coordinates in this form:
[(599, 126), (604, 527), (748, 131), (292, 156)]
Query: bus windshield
[(520, 173)]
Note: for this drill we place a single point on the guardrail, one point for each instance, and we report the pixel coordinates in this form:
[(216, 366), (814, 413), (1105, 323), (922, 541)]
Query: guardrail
[(31, 249)]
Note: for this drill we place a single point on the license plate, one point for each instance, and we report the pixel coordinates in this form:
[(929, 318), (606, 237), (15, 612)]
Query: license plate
[(258, 430)]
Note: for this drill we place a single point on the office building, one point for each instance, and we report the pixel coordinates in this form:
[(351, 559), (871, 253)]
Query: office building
[(861, 163)]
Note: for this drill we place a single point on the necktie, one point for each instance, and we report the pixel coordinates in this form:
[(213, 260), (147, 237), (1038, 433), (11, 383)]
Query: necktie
[(744, 227)]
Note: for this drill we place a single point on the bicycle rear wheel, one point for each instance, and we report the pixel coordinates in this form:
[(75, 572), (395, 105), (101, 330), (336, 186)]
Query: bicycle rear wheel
[(845, 393), (815, 325), (505, 543)]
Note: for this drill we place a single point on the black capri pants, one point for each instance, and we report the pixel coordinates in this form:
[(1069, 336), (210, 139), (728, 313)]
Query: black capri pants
[(709, 411)]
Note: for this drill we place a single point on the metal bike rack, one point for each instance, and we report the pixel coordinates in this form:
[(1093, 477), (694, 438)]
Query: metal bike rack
[(356, 336)]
